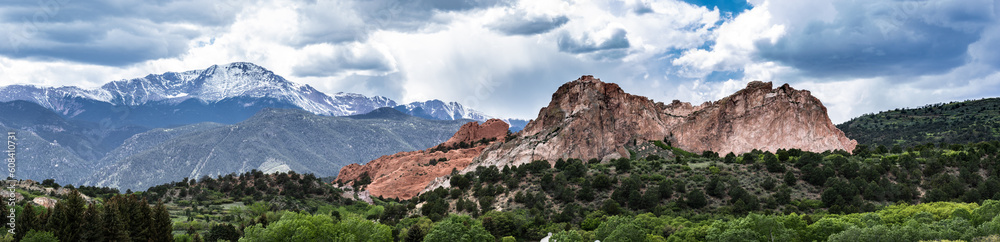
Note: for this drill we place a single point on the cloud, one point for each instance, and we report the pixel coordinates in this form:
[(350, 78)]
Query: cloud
[(588, 44), (520, 24), (111, 33), (875, 38), (505, 57), (330, 60)]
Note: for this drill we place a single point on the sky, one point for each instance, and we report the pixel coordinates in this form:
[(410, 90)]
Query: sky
[(505, 58)]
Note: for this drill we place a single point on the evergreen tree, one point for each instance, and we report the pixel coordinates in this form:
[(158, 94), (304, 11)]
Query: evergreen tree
[(162, 226), (665, 189), (414, 234), (772, 163), (790, 179), (92, 228), (696, 199), (136, 211), (115, 228), (25, 221), (222, 232), (66, 218)]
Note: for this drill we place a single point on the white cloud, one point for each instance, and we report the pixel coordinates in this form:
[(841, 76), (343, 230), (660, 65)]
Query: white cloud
[(455, 51)]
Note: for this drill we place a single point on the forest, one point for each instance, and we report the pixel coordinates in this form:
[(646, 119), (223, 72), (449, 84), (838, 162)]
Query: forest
[(923, 192), (951, 123)]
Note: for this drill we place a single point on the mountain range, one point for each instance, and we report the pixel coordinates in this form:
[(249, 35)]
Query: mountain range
[(120, 125), (224, 94)]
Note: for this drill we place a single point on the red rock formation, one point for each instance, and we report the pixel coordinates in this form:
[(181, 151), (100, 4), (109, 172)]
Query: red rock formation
[(759, 117), (473, 131), (404, 175), (588, 118)]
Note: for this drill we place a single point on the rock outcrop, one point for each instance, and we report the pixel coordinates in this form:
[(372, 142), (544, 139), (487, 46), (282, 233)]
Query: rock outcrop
[(473, 131), (588, 118), (44, 202), (404, 175), (759, 117)]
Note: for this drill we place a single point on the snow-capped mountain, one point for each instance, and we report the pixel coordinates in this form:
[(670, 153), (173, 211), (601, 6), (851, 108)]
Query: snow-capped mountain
[(437, 109), (221, 93), (217, 83)]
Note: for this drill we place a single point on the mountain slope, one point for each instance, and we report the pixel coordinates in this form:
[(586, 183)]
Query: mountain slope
[(277, 140), (39, 159), (588, 118), (150, 139), (86, 140), (955, 122)]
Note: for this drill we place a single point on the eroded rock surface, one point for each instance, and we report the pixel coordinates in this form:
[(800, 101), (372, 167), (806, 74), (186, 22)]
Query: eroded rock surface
[(404, 175), (588, 118)]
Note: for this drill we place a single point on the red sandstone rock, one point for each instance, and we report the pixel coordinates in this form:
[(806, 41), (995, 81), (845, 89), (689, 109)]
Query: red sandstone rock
[(473, 131), (588, 118), (404, 175)]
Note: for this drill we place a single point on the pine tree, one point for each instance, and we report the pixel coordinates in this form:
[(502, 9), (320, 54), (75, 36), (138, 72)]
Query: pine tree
[(115, 228), (66, 219), (92, 228), (58, 222), (414, 234), (42, 219), (25, 221), (135, 213), (790, 178), (161, 225)]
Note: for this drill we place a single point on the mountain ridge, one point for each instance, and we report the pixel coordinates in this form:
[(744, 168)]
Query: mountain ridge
[(217, 87)]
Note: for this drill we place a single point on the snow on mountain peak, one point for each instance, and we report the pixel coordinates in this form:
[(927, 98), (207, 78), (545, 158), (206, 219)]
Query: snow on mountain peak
[(213, 84), (221, 82)]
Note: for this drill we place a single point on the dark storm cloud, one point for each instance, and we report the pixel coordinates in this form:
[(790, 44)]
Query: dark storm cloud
[(586, 44), (342, 60), (519, 24), (111, 33), (879, 38), (318, 25)]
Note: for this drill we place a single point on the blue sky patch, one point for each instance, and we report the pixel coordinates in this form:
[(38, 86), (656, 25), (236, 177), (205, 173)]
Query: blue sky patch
[(726, 6)]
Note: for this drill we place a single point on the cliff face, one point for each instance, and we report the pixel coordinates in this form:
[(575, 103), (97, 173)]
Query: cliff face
[(759, 117), (404, 175), (588, 119)]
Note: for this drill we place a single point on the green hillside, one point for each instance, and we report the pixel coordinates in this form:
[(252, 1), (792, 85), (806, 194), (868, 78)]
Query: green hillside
[(926, 193), (955, 122)]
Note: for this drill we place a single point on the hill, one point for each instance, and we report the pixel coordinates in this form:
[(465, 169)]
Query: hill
[(954, 122)]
